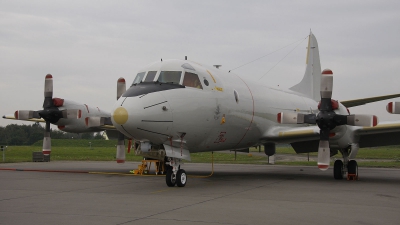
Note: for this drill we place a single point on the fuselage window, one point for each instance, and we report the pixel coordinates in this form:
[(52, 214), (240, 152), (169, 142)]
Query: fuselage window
[(171, 77), (191, 80), (236, 96), (139, 78), (150, 76), (206, 82)]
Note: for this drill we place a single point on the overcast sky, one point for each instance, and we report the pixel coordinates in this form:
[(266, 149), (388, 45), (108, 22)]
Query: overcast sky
[(88, 45)]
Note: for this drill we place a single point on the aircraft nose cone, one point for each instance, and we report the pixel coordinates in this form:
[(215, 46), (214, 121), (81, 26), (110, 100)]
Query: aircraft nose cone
[(120, 115)]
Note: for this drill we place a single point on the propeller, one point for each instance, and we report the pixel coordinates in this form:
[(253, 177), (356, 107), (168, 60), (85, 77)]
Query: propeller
[(121, 88), (326, 119), (50, 112)]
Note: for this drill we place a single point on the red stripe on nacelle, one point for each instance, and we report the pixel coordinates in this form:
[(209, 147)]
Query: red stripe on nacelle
[(79, 114), (279, 117), (58, 102), (334, 103), (327, 71), (16, 114), (375, 121), (120, 161), (389, 107), (87, 121), (61, 127), (87, 107)]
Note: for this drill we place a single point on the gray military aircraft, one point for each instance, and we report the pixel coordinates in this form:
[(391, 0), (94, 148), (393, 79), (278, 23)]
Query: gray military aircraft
[(177, 107)]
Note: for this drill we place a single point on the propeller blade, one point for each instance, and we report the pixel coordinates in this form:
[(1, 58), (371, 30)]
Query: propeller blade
[(47, 140), (48, 92), (288, 117), (362, 120), (326, 84), (26, 114), (393, 107), (295, 118), (121, 148), (121, 87), (324, 155)]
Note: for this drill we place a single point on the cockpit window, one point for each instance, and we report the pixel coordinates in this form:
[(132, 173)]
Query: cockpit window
[(188, 66), (192, 80), (171, 77), (150, 76), (139, 78)]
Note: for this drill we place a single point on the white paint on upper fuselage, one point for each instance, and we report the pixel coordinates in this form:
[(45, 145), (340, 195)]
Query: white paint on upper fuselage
[(198, 113)]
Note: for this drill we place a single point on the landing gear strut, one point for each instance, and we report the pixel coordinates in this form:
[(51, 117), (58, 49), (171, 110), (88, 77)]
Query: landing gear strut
[(175, 175), (341, 167)]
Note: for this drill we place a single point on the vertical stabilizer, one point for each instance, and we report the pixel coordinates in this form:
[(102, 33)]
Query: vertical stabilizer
[(310, 84)]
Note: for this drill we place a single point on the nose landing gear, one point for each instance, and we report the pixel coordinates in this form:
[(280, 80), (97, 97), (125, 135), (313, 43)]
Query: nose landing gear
[(341, 167)]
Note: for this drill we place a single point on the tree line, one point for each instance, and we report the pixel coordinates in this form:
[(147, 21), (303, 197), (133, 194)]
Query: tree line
[(14, 134)]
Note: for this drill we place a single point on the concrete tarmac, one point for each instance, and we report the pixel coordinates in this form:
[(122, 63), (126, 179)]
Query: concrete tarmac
[(235, 194)]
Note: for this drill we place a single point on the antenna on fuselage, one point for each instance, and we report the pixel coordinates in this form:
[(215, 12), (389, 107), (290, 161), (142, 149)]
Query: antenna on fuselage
[(185, 57), (161, 59), (217, 66)]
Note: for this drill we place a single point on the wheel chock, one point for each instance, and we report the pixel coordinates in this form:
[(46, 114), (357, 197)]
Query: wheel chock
[(352, 177)]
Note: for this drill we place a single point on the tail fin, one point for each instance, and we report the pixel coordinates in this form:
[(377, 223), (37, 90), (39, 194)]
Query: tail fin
[(310, 84)]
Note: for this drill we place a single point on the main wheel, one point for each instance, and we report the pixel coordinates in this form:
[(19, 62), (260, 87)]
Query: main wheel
[(170, 178), (181, 178), (338, 169), (352, 167)]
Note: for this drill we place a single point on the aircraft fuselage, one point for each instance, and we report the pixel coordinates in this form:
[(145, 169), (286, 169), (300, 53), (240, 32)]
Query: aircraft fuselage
[(223, 113)]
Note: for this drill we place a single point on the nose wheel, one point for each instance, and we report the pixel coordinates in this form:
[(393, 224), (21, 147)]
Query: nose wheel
[(338, 171), (341, 167), (175, 175)]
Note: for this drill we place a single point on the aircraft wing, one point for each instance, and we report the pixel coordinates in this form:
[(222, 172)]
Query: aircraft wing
[(386, 133), (306, 139), (363, 101)]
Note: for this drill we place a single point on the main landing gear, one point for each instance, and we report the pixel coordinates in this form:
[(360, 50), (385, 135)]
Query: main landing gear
[(175, 175), (341, 167)]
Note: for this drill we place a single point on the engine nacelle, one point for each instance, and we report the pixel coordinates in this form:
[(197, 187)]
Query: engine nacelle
[(79, 123)]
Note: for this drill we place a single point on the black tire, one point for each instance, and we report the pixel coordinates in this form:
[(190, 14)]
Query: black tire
[(352, 167), (170, 179), (338, 170), (181, 178)]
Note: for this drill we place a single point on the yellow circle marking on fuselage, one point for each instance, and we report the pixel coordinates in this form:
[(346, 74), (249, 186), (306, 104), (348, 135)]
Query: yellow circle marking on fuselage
[(120, 115)]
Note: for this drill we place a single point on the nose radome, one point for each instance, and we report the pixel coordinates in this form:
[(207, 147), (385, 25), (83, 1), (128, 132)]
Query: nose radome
[(120, 115)]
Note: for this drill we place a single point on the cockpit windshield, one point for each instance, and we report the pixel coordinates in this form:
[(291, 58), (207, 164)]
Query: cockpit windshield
[(150, 76), (139, 78), (191, 80), (171, 77)]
